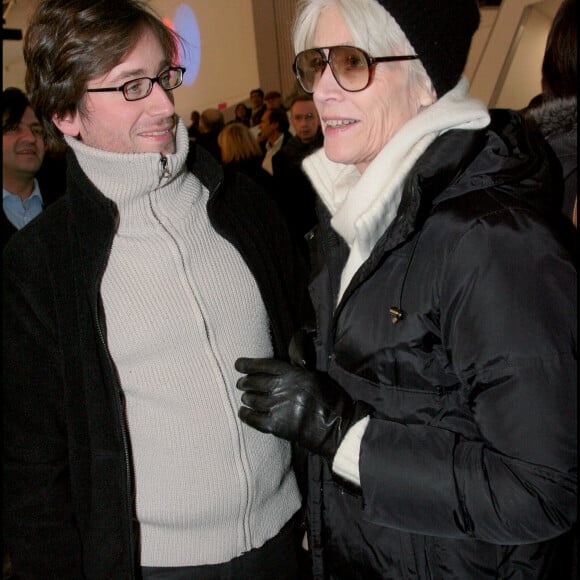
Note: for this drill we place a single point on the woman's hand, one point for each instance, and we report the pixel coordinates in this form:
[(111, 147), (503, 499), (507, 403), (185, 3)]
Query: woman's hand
[(296, 404)]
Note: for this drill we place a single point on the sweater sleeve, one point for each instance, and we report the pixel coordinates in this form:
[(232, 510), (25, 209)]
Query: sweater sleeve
[(347, 456)]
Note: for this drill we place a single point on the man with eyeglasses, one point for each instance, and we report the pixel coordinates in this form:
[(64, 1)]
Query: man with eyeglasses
[(294, 192), (126, 304)]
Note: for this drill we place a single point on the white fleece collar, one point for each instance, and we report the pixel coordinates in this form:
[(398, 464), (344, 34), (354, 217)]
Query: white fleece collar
[(363, 206)]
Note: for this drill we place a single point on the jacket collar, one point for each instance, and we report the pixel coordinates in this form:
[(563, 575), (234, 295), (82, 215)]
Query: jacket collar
[(508, 154), (205, 167), (556, 115)]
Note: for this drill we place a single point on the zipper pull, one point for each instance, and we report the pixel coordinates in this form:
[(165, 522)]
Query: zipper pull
[(396, 313), (165, 173)]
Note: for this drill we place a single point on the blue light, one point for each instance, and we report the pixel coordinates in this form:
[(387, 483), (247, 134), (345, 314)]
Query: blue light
[(186, 26)]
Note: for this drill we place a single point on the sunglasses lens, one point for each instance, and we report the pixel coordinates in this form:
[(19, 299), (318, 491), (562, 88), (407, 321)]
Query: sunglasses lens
[(309, 65), (350, 67)]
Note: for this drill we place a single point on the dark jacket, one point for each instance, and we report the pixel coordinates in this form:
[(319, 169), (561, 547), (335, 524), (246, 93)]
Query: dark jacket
[(468, 464), (209, 141), (294, 193), (557, 119), (68, 509), (256, 116), (253, 169)]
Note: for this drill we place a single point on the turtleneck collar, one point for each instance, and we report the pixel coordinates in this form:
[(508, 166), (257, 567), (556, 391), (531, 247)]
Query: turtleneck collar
[(136, 180)]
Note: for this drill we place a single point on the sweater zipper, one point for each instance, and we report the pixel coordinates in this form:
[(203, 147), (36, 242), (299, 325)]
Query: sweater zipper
[(164, 173), (121, 416)]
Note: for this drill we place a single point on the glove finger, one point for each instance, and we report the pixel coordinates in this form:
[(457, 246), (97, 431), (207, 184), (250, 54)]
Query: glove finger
[(257, 383), (258, 403), (253, 419)]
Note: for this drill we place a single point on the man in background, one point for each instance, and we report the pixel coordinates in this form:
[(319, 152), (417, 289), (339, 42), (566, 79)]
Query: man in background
[(273, 100), (211, 123), (23, 153), (294, 192), (274, 135), (258, 106)]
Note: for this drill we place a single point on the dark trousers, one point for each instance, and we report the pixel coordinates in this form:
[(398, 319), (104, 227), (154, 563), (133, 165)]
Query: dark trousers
[(280, 558)]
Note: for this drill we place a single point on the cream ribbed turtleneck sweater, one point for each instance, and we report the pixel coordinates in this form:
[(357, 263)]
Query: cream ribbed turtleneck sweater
[(181, 306)]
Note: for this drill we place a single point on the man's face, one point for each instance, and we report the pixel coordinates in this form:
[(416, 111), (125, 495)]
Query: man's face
[(274, 103), (23, 147), (266, 128), (305, 120), (256, 99), (112, 123)]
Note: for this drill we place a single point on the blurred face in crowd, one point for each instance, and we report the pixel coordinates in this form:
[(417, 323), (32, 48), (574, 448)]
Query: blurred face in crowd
[(267, 129), (241, 111), (22, 147), (256, 99), (357, 125), (114, 124), (274, 103), (305, 120)]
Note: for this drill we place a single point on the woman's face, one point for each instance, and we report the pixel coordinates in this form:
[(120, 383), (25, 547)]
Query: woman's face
[(358, 125)]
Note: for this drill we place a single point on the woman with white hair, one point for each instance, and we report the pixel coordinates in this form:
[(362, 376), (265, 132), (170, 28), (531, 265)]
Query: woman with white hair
[(439, 407)]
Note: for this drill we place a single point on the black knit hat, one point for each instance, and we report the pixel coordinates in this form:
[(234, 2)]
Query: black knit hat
[(441, 32)]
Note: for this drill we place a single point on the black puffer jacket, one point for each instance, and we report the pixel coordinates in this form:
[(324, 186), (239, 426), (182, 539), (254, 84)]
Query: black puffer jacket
[(468, 465)]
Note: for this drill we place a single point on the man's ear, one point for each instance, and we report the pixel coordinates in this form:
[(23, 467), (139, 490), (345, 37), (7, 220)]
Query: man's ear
[(67, 123)]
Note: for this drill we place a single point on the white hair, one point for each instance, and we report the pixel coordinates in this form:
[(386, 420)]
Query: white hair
[(373, 29)]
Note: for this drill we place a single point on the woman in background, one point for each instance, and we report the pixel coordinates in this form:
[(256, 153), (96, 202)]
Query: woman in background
[(240, 152)]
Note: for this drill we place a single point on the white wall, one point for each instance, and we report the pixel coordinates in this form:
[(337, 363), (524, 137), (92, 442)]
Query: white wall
[(523, 71), (229, 68)]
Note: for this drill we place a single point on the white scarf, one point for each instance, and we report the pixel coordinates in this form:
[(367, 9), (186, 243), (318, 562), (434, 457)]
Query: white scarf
[(363, 206)]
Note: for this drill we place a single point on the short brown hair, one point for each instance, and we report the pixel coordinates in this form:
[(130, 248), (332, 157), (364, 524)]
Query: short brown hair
[(14, 103), (280, 117), (69, 42), (300, 98)]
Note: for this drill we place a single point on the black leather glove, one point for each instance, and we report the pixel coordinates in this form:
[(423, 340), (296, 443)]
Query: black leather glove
[(297, 405)]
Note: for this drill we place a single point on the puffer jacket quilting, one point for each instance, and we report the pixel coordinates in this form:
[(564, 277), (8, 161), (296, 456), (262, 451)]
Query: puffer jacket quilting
[(468, 466)]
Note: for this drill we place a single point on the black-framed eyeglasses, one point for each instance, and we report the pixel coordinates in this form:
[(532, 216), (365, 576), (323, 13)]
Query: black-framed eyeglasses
[(351, 66), (137, 89)]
